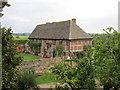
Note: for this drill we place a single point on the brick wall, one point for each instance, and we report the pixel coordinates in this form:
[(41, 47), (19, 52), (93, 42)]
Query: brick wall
[(68, 46), (54, 43), (77, 45), (21, 48)]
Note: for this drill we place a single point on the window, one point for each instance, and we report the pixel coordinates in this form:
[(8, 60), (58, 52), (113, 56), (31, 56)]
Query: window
[(40, 41), (54, 42), (36, 40), (67, 43), (44, 41), (86, 41), (60, 42)]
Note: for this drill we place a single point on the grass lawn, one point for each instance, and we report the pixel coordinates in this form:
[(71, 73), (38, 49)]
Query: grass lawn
[(45, 78), (27, 57), (20, 37)]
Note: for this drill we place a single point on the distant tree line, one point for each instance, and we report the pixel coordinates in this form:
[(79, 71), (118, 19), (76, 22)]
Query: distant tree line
[(21, 34)]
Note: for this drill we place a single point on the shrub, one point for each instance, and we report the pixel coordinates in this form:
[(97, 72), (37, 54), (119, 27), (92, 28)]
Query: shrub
[(9, 60), (79, 76), (106, 58), (17, 36), (35, 47), (20, 41), (59, 50), (26, 79)]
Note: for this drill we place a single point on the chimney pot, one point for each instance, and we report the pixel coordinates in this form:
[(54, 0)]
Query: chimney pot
[(74, 20)]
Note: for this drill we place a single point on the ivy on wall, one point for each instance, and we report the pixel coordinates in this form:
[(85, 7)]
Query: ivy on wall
[(59, 50), (48, 45), (35, 47)]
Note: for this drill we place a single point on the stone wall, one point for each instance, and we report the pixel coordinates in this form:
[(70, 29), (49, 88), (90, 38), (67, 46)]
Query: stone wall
[(40, 66)]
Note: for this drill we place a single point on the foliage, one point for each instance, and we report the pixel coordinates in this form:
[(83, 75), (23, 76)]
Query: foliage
[(77, 55), (106, 54), (3, 3), (9, 60), (28, 57), (35, 47), (59, 87), (78, 76), (45, 49), (46, 78), (45, 52), (86, 51), (94, 34), (48, 45), (99, 62), (59, 50), (17, 36), (21, 41), (26, 79)]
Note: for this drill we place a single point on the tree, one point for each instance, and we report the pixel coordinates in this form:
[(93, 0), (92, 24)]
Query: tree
[(79, 76), (3, 3), (17, 36), (9, 60), (100, 62), (106, 54)]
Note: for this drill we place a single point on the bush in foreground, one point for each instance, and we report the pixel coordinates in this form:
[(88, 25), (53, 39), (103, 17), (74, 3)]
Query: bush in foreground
[(26, 79)]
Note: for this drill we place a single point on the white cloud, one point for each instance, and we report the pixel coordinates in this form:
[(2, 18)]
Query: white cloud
[(18, 18), (91, 15)]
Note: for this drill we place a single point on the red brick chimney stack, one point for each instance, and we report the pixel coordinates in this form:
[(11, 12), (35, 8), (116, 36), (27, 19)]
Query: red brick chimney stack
[(74, 20)]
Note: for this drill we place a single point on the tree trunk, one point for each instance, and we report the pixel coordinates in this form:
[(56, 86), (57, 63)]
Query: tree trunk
[(71, 86)]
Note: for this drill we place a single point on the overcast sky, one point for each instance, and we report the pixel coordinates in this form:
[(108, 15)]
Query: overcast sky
[(91, 15)]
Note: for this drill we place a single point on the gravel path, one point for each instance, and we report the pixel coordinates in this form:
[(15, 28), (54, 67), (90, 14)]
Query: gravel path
[(48, 85)]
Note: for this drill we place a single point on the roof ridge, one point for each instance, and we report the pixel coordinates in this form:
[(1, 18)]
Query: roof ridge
[(54, 22), (61, 21)]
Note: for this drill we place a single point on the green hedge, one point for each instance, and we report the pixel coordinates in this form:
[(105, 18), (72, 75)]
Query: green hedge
[(21, 41)]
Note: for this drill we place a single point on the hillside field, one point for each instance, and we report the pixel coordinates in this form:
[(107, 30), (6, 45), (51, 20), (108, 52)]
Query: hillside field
[(20, 37)]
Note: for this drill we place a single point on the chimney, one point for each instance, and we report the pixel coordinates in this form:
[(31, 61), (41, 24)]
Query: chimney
[(74, 20)]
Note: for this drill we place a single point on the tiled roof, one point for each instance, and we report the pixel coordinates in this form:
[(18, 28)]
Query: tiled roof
[(59, 30)]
